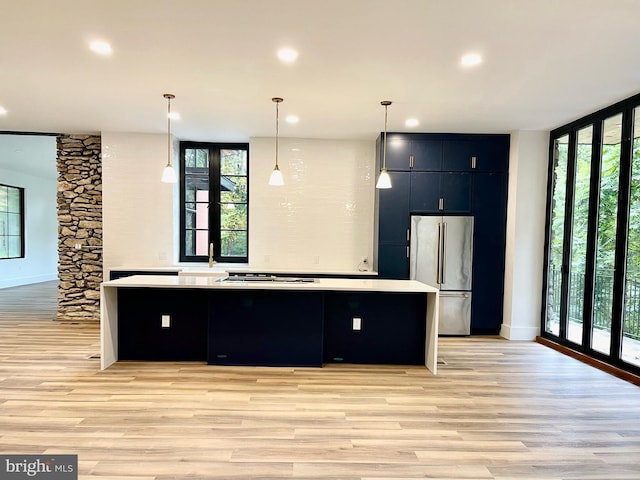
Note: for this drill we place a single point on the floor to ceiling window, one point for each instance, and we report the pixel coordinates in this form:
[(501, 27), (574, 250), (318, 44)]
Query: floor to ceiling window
[(592, 279)]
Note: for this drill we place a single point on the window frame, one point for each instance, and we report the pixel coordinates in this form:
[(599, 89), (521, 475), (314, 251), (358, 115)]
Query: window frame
[(214, 218), (626, 109), (21, 195)]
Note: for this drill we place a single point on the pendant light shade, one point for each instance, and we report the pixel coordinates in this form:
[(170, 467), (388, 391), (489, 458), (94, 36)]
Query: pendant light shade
[(169, 173), (384, 180), (276, 178)]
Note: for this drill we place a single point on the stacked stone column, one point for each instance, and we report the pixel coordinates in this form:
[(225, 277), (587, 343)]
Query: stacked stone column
[(79, 227)]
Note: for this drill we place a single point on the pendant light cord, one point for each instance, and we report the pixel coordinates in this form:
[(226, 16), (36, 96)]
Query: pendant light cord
[(169, 131), (384, 148), (277, 129)]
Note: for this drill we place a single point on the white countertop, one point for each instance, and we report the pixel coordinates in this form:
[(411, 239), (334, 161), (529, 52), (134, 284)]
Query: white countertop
[(211, 282)]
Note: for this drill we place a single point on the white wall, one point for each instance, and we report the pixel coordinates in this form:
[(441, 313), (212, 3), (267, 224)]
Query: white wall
[(138, 209), (322, 219), (29, 162), (528, 160)]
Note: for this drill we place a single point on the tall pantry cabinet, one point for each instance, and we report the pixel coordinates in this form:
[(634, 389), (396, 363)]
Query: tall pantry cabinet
[(452, 174)]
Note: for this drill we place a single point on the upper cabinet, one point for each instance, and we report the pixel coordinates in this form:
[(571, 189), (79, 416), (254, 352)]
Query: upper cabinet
[(481, 154), (405, 153), (435, 152)]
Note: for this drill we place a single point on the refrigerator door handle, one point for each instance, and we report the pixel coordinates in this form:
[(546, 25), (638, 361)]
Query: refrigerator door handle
[(443, 263), (439, 255)]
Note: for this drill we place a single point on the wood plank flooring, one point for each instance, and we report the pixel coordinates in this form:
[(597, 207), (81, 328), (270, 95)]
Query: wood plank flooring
[(497, 410)]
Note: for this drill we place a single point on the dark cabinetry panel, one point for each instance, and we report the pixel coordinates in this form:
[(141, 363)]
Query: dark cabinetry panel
[(489, 209), (450, 174), (484, 155), (265, 327), (394, 209), (392, 328), (440, 192), (393, 261), (141, 335), (406, 153)]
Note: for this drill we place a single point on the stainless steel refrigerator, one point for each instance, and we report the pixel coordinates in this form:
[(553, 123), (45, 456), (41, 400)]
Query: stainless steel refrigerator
[(441, 254)]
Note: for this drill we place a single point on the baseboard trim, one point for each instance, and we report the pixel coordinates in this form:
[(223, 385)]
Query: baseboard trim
[(600, 365)]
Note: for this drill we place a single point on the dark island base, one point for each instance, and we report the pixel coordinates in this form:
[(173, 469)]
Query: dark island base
[(271, 328)]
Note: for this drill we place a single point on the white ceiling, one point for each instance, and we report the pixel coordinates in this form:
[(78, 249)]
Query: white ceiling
[(546, 62)]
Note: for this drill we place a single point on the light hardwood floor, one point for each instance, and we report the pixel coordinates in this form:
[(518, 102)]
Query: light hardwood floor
[(497, 410)]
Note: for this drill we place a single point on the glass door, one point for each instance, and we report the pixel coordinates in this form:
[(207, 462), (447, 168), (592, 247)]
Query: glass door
[(579, 230), (556, 236), (607, 229), (631, 312)]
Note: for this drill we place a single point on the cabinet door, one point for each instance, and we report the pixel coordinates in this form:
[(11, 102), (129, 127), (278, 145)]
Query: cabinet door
[(455, 191), (427, 155), (393, 209), (482, 155), (489, 209), (265, 327), (398, 151), (392, 328), (448, 192), (393, 262), (141, 334), (425, 192)]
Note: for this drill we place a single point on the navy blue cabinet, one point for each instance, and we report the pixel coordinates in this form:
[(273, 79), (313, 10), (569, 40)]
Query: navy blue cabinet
[(406, 153), (265, 327), (485, 154), (449, 174), (394, 209), (391, 329), (393, 261), (142, 335), (440, 192), (490, 216), (398, 151)]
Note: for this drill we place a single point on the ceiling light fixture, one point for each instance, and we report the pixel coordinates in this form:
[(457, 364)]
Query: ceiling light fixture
[(100, 47), (292, 119), (287, 55), (384, 180), (3, 111), (169, 174), (276, 176), (470, 60), (411, 122)]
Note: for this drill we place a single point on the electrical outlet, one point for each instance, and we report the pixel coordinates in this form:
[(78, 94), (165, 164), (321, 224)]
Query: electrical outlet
[(166, 321), (356, 323)]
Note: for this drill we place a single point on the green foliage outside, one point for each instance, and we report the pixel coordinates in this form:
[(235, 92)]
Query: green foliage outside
[(607, 226)]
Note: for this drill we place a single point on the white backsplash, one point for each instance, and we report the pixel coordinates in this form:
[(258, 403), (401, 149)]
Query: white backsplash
[(322, 218)]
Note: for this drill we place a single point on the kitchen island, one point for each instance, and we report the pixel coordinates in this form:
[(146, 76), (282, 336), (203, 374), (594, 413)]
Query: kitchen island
[(277, 321)]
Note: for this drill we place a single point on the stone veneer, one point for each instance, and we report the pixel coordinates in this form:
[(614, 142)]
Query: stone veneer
[(79, 165)]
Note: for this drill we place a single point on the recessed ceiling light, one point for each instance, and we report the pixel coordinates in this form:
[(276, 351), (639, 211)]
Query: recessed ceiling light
[(174, 116), (100, 47), (3, 111), (292, 119), (470, 60), (287, 55), (411, 122)]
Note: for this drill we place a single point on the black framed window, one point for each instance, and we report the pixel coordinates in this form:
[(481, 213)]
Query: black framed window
[(214, 202), (11, 222), (592, 276)]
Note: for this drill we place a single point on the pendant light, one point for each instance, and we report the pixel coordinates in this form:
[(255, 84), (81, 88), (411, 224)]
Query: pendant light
[(276, 176), (384, 180), (169, 174)]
